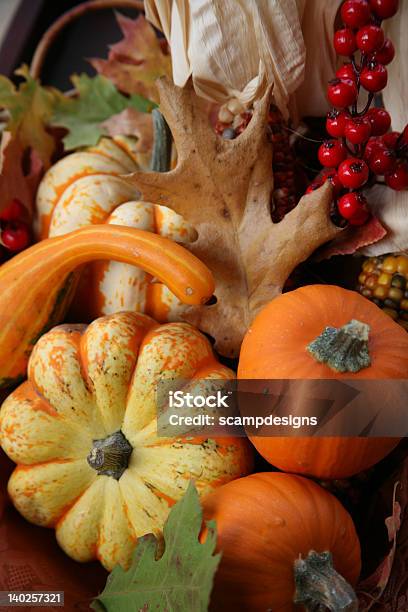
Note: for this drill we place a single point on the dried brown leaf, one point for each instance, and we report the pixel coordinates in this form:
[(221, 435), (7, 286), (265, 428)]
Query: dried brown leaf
[(131, 122), (135, 62), (354, 238), (224, 188), (14, 183), (387, 587)]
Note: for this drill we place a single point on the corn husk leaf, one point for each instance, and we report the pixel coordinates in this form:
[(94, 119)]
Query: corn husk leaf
[(233, 49), (391, 207), (318, 19)]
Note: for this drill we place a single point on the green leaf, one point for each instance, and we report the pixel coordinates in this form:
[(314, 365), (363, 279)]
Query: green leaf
[(30, 106), (180, 580), (96, 101)]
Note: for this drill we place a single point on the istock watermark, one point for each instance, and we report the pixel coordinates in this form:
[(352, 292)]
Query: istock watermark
[(181, 399), (214, 408)]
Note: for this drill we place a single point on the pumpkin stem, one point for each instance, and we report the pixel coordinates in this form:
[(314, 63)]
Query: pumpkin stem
[(161, 156), (343, 349), (110, 456), (319, 586)]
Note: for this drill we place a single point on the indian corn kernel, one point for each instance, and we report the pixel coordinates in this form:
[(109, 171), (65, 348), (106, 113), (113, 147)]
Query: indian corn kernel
[(384, 281)]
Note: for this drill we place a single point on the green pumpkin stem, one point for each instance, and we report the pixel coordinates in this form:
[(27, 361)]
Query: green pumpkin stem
[(161, 156), (343, 349), (110, 456), (320, 587)]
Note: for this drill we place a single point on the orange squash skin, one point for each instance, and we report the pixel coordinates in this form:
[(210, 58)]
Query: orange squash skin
[(275, 348), (264, 522), (37, 286)]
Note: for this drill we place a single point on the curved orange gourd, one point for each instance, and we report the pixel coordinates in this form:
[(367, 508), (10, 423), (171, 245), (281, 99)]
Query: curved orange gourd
[(265, 523), (275, 347), (37, 286)]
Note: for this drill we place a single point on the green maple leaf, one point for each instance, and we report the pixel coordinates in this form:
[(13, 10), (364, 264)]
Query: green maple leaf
[(180, 580), (96, 101), (30, 106)]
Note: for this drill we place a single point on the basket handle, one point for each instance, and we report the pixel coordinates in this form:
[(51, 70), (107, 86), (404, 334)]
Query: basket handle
[(50, 36)]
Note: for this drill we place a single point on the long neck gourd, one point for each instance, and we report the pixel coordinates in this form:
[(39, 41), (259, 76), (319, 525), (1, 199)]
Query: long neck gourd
[(37, 286)]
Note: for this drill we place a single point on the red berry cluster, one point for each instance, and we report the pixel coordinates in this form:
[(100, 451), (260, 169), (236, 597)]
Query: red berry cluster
[(14, 228), (361, 146)]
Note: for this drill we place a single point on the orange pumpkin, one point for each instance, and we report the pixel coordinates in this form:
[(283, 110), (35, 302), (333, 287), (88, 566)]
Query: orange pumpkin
[(286, 341), (275, 532)]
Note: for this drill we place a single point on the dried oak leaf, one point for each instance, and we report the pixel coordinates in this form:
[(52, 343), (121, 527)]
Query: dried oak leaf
[(14, 183), (135, 62), (30, 107), (223, 187)]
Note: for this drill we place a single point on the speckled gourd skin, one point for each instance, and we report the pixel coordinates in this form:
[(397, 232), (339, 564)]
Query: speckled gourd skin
[(84, 384), (87, 187)]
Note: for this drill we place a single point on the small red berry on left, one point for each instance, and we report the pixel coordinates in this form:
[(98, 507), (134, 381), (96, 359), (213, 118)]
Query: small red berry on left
[(15, 232)]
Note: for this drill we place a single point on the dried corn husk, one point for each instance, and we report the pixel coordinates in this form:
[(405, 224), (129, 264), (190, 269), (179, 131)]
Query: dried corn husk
[(391, 207), (318, 19), (233, 49)]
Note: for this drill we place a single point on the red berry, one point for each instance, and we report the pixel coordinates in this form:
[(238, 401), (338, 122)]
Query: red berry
[(380, 121), (386, 54), (374, 77), (346, 71), (398, 178), (336, 122), (342, 92), (331, 175), (331, 153), (345, 42), (391, 139), (370, 38), (353, 207), (355, 13), (15, 236), (384, 9), (14, 211), (353, 173), (357, 130), (373, 145), (382, 161)]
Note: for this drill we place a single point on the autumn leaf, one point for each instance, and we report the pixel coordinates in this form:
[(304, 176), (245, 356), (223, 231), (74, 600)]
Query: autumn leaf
[(14, 183), (131, 122), (135, 62), (387, 585), (97, 100), (30, 106), (223, 188), (181, 579)]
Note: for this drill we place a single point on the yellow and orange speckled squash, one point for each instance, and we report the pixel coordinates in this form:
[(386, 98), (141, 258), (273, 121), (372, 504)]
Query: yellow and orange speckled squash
[(86, 187), (36, 286), (82, 430)]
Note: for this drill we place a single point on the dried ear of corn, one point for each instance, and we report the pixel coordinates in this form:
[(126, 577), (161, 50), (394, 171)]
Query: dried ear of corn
[(233, 49)]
